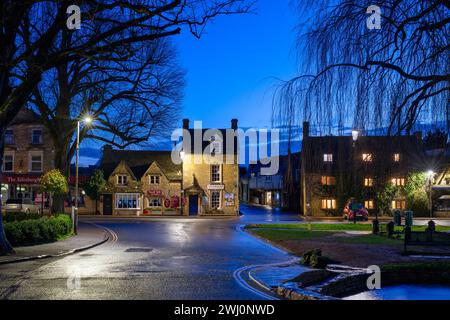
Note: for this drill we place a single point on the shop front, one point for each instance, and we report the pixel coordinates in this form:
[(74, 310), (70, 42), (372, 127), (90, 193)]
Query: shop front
[(23, 186)]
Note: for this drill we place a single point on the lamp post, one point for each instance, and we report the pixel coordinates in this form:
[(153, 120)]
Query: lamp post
[(430, 175), (86, 120), (182, 155), (355, 136)]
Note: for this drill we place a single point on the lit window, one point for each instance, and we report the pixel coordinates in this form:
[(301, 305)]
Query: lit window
[(36, 136), (327, 157), (155, 202), (368, 182), (122, 180), (215, 173), (35, 159), (367, 157), (368, 204), (328, 204), (399, 204), (328, 181), (154, 179), (397, 157), (9, 137), (215, 199), (398, 182), (128, 201), (8, 162)]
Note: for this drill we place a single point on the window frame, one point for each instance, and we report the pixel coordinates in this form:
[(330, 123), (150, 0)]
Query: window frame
[(127, 197), (367, 157), (11, 142), (369, 204), (150, 202), (12, 155), (397, 157), (122, 176), (41, 137), (31, 154), (154, 177), (328, 158), (328, 204), (368, 182), (219, 173), (398, 181), (328, 180), (219, 205)]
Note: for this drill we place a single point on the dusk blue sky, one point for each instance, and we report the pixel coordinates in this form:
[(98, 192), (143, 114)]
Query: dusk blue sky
[(230, 70)]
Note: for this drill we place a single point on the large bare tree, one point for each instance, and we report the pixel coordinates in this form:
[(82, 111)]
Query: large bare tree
[(353, 75), (30, 31)]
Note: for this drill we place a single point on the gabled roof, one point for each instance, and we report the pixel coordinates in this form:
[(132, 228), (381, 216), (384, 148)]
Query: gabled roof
[(139, 162), (26, 116)]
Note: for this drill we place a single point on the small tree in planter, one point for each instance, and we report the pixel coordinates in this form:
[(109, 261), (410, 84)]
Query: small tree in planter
[(55, 183), (95, 186)]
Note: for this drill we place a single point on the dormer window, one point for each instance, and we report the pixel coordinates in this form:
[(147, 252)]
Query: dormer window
[(122, 180), (328, 157), (367, 157), (155, 179), (36, 136)]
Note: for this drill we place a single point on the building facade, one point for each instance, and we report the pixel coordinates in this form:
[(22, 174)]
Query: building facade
[(210, 183), (140, 183), (28, 154), (335, 169)]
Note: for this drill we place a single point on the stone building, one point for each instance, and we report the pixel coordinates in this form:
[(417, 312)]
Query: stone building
[(335, 169), (140, 183), (210, 183), (28, 154)]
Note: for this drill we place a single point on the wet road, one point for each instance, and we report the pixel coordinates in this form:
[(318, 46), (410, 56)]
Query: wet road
[(157, 259)]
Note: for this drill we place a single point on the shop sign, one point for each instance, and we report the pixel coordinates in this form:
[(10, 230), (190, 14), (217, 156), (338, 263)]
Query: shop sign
[(216, 187), (21, 179), (154, 193)]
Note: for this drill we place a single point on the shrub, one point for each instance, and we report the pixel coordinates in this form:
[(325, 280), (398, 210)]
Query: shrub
[(314, 259), (42, 230)]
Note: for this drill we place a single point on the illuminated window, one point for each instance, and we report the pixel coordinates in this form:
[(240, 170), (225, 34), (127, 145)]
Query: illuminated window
[(128, 201), (327, 157), (368, 182), (154, 179), (122, 180), (215, 199), (397, 157), (368, 204), (398, 182), (328, 204), (328, 181), (367, 157), (399, 204)]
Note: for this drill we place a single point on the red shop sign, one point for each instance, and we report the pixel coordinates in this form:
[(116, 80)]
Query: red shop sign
[(154, 193), (21, 179), (167, 203)]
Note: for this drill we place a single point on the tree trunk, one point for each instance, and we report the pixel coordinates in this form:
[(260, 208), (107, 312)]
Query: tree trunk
[(5, 247)]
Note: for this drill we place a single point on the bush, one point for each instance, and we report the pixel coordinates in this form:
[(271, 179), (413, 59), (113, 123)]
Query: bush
[(20, 216), (314, 259), (42, 230)]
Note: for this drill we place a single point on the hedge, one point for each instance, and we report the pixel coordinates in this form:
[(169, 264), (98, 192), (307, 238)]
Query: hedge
[(42, 230), (20, 216)]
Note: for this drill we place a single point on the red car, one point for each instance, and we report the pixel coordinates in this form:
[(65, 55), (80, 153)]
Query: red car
[(357, 209)]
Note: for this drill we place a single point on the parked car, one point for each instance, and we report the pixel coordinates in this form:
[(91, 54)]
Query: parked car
[(355, 209), (21, 205)]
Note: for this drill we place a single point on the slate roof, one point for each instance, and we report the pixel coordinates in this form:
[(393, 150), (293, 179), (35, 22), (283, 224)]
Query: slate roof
[(26, 116), (139, 162)]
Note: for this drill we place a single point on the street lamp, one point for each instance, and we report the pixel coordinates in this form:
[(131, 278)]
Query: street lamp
[(430, 175), (355, 135), (182, 156), (87, 120)]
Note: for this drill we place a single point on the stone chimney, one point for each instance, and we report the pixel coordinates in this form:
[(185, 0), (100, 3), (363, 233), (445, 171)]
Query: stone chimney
[(234, 124), (186, 124), (305, 130)]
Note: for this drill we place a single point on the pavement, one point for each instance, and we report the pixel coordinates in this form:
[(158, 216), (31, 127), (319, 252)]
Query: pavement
[(89, 235)]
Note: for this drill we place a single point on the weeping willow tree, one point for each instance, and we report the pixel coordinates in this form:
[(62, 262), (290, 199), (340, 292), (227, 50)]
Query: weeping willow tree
[(351, 75)]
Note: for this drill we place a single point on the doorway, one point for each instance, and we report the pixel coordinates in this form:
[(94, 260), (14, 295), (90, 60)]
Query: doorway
[(193, 205), (107, 205)]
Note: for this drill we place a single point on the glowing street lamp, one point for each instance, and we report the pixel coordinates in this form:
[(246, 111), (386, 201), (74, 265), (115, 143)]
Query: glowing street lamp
[(430, 175), (87, 120)]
